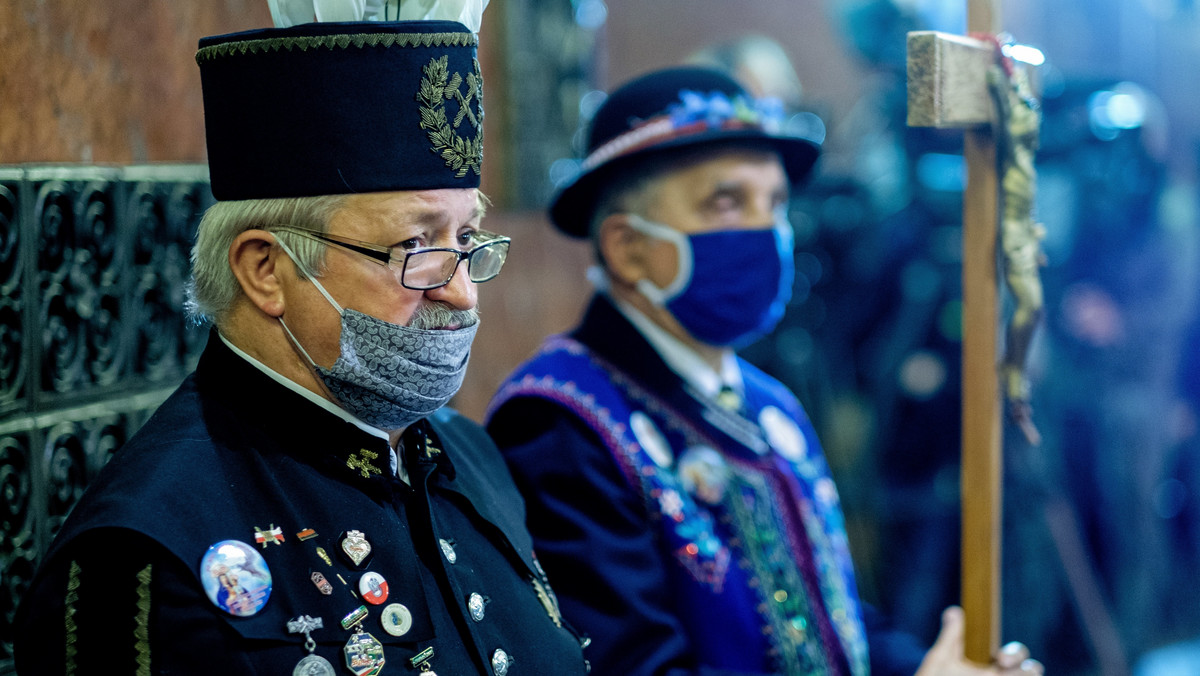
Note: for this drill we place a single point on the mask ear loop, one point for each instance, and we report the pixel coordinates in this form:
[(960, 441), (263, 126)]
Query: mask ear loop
[(313, 278), (785, 234), (308, 273), (785, 242), (683, 268)]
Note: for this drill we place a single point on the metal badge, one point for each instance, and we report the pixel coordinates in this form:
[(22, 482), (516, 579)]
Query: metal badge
[(313, 665), (396, 619), (421, 661), (235, 578), (322, 584), (263, 536), (355, 617), (355, 546), (305, 624), (373, 588), (324, 556), (364, 654), (704, 474), (309, 665), (783, 434), (651, 439), (306, 534)]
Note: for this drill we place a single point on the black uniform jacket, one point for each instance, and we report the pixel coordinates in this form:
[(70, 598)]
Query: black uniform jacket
[(232, 454)]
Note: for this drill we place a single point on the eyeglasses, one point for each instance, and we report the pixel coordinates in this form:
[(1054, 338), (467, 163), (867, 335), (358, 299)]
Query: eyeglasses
[(425, 269)]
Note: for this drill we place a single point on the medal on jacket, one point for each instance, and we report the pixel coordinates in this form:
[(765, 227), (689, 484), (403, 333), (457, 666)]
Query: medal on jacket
[(373, 588), (355, 547), (364, 653), (421, 661), (312, 664), (322, 583)]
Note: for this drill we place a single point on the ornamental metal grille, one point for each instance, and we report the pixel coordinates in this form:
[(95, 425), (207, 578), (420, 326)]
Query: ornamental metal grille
[(93, 336)]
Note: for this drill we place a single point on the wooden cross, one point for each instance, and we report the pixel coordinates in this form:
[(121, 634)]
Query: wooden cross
[(947, 88)]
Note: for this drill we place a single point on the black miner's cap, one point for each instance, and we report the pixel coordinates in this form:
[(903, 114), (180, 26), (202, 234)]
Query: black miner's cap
[(336, 108)]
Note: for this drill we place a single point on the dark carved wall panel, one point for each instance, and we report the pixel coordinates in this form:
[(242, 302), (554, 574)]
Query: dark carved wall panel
[(12, 367), (93, 262)]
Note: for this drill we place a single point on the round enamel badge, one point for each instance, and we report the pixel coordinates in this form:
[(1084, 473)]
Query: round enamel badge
[(235, 577), (396, 619), (704, 474), (783, 434), (373, 587), (650, 439)]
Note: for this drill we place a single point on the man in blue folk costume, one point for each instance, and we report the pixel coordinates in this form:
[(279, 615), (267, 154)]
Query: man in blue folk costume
[(679, 496), (303, 499)]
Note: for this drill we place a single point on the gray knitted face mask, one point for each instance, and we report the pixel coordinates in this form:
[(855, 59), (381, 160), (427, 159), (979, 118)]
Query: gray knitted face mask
[(388, 375)]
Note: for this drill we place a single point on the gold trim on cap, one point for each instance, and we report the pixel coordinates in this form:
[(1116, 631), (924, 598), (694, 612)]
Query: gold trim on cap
[(340, 41)]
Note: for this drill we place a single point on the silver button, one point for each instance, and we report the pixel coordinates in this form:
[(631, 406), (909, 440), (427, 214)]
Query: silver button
[(500, 662), (475, 605), (448, 551)]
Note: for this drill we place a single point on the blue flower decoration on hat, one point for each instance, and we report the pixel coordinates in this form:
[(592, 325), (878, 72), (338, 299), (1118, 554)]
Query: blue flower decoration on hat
[(717, 110)]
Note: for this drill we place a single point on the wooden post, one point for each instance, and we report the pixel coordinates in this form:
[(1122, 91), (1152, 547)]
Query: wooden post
[(947, 87), (982, 461)]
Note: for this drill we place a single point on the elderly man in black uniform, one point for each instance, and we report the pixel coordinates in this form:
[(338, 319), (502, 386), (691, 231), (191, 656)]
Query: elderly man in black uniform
[(304, 499)]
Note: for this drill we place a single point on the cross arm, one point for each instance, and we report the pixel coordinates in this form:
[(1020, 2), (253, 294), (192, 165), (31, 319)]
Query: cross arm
[(947, 80)]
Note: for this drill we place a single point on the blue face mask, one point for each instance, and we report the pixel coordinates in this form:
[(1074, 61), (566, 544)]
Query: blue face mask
[(731, 286)]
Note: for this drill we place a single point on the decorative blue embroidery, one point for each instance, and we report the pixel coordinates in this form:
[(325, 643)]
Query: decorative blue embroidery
[(689, 492), (715, 109)]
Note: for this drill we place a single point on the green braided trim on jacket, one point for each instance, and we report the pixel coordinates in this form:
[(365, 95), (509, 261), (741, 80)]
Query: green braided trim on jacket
[(343, 41), (141, 631), (784, 602), (70, 637)]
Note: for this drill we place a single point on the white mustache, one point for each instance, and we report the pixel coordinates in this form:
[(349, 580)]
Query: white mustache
[(439, 316)]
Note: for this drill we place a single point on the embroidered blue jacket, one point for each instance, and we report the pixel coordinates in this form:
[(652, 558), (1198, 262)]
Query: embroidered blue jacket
[(683, 537)]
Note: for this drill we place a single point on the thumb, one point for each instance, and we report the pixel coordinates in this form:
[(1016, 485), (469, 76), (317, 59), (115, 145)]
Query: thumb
[(946, 655), (949, 642)]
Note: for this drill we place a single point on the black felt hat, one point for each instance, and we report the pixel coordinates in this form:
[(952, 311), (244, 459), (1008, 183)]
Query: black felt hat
[(665, 111), (336, 108)]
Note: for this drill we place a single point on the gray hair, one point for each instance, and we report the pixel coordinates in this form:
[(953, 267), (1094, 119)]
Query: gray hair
[(213, 288)]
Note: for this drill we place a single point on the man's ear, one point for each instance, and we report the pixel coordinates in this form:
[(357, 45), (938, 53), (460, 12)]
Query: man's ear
[(622, 249), (253, 258)]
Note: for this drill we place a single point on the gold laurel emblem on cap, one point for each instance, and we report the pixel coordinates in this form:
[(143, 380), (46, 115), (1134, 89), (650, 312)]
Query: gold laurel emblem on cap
[(438, 86)]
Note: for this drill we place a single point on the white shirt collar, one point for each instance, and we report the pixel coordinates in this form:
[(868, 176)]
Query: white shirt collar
[(397, 466), (682, 359)]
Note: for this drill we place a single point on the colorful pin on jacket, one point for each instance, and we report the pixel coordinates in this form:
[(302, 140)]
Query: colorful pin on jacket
[(235, 578)]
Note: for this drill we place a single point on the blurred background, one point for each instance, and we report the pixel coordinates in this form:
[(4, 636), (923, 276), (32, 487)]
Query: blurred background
[(102, 181)]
